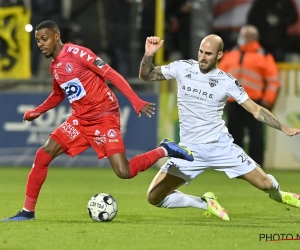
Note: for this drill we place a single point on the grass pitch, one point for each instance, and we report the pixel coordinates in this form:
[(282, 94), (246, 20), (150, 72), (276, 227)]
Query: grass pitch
[(62, 221)]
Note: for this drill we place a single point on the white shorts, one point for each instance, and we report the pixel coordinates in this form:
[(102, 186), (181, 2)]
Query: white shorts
[(222, 155)]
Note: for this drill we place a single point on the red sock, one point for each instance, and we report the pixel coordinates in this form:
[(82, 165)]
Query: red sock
[(142, 162), (36, 178)]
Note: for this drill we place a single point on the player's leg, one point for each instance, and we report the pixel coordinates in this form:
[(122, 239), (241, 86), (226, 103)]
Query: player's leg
[(38, 173), (163, 191), (36, 178), (66, 138), (109, 143), (128, 169), (266, 182), (241, 166)]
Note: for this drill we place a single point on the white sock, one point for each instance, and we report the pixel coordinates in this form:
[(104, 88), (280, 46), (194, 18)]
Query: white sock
[(180, 200), (275, 191)]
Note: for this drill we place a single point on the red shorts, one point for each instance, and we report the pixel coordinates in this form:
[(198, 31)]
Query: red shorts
[(103, 135)]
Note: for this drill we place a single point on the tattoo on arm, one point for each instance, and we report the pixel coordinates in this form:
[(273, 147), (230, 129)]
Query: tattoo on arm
[(148, 72), (266, 117)]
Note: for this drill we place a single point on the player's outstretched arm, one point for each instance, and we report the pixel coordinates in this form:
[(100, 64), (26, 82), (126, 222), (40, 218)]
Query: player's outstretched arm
[(147, 70), (265, 116)]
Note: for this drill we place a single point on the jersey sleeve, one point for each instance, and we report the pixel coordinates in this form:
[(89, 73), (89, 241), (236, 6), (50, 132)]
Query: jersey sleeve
[(117, 80), (101, 68), (170, 71), (236, 90), (55, 98)]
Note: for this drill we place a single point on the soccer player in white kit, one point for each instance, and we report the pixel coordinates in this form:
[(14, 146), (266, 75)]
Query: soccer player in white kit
[(203, 90)]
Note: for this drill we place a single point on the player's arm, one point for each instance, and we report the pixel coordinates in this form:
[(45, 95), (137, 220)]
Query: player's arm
[(101, 68), (265, 116), (55, 98), (139, 105), (147, 70)]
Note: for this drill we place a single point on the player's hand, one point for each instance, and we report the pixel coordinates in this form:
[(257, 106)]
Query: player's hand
[(30, 115), (291, 131), (148, 110), (152, 45)]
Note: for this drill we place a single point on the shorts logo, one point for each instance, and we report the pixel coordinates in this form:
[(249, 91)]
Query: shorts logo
[(68, 129), (113, 140), (100, 140), (111, 133), (69, 67)]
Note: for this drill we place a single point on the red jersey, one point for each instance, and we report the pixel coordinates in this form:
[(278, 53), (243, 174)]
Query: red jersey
[(80, 75)]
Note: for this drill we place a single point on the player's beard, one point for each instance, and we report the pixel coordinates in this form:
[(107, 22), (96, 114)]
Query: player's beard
[(211, 65)]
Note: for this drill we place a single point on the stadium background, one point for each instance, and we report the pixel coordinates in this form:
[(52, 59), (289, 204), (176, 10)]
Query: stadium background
[(93, 22)]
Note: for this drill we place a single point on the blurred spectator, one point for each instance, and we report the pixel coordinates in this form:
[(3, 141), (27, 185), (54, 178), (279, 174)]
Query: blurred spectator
[(147, 22), (257, 72), (42, 10), (8, 3), (272, 18), (148, 19), (177, 38)]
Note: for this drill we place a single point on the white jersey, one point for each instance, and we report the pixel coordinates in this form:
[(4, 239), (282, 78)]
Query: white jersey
[(201, 99)]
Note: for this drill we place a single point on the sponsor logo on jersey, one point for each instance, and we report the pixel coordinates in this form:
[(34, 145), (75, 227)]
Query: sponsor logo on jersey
[(73, 89), (99, 63), (111, 133), (59, 64), (69, 67), (212, 82), (197, 93)]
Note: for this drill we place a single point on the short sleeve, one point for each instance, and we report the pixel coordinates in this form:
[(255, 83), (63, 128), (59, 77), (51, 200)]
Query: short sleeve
[(170, 71), (237, 91)]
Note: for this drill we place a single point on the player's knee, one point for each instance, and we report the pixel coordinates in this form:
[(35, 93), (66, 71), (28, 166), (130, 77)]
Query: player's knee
[(153, 199), (123, 173)]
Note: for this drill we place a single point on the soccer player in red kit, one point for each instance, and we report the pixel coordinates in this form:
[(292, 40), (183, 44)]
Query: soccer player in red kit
[(80, 75)]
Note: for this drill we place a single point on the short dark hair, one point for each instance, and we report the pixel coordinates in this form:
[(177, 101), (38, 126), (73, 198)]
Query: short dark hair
[(48, 24)]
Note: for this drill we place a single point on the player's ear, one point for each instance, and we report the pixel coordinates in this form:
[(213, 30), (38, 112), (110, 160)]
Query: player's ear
[(57, 37), (220, 55)]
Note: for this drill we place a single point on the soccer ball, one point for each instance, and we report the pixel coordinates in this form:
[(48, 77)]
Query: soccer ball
[(102, 207)]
